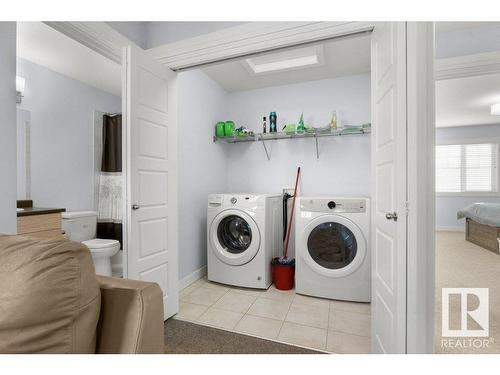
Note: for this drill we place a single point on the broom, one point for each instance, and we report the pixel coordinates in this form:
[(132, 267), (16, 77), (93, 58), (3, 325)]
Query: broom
[(284, 259)]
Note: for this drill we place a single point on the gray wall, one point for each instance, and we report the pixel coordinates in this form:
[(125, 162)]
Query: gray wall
[(447, 206), (160, 33), (202, 165), (8, 171), (153, 34), (467, 41), (62, 136), (207, 167), (343, 167), (137, 32)]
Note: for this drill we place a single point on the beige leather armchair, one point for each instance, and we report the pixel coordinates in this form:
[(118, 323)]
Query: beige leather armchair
[(51, 301)]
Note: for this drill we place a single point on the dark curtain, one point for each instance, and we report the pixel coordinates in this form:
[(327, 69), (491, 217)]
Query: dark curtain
[(112, 144), (110, 194)]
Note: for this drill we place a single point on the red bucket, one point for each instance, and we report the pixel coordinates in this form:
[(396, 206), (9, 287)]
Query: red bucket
[(283, 275)]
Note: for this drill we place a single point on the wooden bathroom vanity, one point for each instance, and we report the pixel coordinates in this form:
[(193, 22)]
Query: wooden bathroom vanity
[(39, 222)]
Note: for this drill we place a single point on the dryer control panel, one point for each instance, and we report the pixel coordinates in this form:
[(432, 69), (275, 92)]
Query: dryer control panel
[(336, 205)]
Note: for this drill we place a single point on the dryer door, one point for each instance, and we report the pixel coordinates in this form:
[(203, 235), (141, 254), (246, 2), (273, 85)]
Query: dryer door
[(333, 246), (234, 237)]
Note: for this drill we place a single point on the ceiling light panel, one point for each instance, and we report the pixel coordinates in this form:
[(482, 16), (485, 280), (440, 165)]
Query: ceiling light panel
[(299, 58)]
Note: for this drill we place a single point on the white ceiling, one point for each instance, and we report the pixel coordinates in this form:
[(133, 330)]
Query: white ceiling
[(467, 101), (342, 57), (42, 45)]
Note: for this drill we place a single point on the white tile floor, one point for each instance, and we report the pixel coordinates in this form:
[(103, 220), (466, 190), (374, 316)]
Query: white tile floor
[(333, 326)]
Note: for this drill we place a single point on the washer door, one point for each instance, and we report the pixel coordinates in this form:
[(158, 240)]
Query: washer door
[(234, 237), (333, 246)]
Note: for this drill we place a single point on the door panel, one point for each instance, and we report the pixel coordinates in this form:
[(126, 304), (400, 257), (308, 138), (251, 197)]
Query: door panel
[(153, 141), (151, 164), (153, 188), (153, 236), (389, 187)]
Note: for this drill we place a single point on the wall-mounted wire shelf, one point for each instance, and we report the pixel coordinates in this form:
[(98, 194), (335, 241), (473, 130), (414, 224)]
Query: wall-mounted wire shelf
[(264, 137)]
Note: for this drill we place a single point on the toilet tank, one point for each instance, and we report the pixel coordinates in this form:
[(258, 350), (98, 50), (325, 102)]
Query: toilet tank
[(79, 225)]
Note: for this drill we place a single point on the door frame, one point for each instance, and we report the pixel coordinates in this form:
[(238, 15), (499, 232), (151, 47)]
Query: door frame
[(420, 187), (102, 38), (260, 37), (230, 43)]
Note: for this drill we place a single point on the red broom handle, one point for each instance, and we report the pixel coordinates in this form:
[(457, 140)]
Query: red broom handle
[(291, 214)]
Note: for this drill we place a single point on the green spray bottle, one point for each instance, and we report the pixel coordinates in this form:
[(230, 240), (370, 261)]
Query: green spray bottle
[(301, 127)]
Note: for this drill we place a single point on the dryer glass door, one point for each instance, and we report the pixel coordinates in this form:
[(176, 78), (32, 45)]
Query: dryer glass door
[(332, 245)]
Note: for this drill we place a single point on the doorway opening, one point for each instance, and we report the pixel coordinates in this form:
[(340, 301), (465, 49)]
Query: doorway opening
[(303, 85), (66, 91), (467, 191)]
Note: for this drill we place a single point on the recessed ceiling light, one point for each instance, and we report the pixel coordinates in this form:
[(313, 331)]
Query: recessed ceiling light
[(283, 61), (495, 109)]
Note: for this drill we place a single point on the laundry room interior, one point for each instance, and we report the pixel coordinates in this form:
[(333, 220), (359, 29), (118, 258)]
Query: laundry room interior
[(319, 96)]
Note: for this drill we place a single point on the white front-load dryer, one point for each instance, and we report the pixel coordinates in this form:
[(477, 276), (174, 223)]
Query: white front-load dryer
[(333, 248), (244, 232)]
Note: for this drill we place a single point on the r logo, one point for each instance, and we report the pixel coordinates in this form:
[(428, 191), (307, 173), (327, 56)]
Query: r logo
[(478, 315)]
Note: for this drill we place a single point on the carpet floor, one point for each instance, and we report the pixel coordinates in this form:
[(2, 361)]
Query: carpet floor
[(183, 337), (461, 264)]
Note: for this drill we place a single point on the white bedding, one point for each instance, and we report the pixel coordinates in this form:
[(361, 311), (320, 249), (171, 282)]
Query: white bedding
[(483, 213)]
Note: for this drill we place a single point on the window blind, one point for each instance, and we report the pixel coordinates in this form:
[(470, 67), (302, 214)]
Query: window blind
[(467, 168)]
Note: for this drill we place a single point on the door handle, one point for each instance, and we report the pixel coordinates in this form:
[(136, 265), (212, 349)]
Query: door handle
[(135, 206), (391, 216)]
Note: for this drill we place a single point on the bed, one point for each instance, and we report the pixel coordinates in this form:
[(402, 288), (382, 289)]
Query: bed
[(482, 224)]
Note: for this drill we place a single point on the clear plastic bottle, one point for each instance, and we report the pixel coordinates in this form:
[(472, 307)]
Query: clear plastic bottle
[(333, 121)]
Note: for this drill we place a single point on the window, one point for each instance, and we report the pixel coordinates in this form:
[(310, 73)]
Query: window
[(467, 168)]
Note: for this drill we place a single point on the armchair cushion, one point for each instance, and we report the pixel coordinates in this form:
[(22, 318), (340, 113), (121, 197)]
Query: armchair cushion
[(49, 296), (131, 318)]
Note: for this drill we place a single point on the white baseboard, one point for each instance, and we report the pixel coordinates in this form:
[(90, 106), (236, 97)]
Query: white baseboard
[(450, 229), (192, 277), (117, 269)]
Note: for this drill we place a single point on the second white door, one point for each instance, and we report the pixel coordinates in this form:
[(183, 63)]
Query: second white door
[(389, 188), (149, 98)]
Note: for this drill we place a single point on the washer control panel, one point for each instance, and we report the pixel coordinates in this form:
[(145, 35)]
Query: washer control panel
[(336, 205)]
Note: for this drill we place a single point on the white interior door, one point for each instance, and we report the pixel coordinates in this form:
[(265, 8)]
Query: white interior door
[(149, 97), (388, 69)]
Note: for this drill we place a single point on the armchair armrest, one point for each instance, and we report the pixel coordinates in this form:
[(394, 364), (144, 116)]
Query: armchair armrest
[(131, 319)]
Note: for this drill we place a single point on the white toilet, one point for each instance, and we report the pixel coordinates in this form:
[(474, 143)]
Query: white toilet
[(81, 226)]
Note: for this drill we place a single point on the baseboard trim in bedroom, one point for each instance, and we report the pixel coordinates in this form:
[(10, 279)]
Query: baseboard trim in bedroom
[(192, 277), (450, 229)]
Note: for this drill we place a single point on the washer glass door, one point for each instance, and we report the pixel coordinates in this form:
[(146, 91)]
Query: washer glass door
[(332, 245), (234, 237), (234, 234)]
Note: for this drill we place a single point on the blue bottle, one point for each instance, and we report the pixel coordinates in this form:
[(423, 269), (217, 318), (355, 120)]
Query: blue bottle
[(272, 122)]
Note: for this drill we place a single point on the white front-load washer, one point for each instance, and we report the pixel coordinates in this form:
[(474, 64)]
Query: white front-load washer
[(333, 248), (244, 233)]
